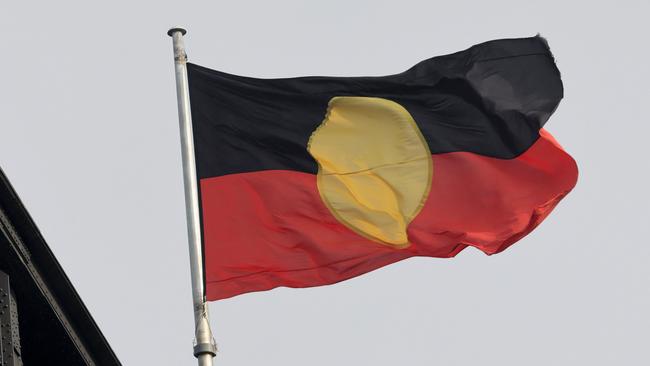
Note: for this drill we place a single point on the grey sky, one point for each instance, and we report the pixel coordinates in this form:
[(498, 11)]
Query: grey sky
[(89, 139)]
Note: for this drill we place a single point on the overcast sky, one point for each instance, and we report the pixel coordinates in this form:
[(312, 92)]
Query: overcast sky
[(89, 139)]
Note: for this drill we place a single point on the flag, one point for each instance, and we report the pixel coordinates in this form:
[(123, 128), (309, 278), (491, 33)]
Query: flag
[(309, 181)]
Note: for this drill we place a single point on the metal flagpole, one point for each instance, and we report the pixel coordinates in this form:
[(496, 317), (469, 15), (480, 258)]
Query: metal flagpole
[(204, 345)]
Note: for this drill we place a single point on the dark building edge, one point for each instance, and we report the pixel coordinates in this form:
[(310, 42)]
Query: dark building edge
[(54, 284)]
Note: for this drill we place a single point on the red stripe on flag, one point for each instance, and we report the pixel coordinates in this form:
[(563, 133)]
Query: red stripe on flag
[(270, 228)]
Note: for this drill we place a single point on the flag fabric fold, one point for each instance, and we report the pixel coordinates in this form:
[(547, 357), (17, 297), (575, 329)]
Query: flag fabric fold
[(313, 180)]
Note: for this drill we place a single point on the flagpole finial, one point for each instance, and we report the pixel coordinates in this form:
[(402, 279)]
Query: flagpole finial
[(173, 30)]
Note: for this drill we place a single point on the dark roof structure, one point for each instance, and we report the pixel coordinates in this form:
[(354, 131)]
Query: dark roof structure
[(55, 327)]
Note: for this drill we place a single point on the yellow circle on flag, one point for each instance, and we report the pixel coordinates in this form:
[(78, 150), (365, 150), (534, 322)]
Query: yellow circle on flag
[(374, 167)]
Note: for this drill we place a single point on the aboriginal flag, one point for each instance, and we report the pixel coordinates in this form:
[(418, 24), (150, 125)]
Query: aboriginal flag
[(313, 180)]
